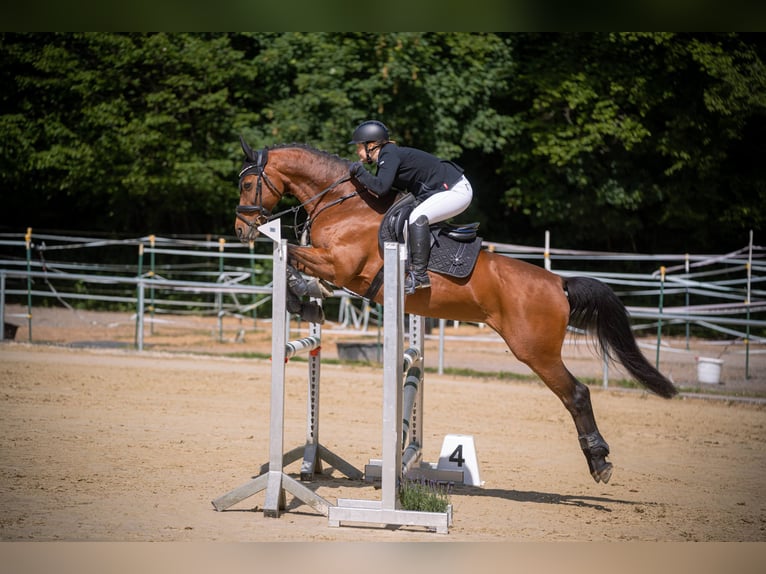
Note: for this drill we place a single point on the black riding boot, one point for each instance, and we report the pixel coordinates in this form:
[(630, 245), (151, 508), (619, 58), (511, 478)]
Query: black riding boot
[(420, 247)]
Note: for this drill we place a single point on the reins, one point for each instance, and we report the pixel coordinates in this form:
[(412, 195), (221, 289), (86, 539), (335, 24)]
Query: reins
[(316, 197)]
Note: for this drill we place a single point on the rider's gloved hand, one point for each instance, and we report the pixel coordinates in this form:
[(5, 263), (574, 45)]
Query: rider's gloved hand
[(355, 169)]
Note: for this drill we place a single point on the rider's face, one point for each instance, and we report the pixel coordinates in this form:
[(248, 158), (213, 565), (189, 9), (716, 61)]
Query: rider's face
[(361, 151)]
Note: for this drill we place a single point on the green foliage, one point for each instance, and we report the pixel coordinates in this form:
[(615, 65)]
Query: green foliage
[(424, 496), (129, 132), (630, 141), (633, 135), (324, 84)]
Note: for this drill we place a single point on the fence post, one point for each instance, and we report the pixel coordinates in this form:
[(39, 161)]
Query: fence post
[(687, 300), (442, 329), (2, 303), (219, 296), (151, 289), (547, 254), (747, 303), (140, 316), (139, 296), (659, 317), (251, 246), (28, 241)]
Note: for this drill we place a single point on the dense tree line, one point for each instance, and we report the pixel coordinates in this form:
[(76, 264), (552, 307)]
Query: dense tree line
[(627, 141)]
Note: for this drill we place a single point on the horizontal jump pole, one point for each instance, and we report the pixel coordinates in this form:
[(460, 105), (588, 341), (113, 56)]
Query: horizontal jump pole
[(411, 356), (409, 396), (304, 345)]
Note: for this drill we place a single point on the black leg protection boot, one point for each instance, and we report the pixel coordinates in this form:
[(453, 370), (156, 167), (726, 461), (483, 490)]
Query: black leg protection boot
[(310, 311), (300, 286), (420, 247)]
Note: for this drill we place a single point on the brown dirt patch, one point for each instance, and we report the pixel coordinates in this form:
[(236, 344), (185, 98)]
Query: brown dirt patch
[(115, 445)]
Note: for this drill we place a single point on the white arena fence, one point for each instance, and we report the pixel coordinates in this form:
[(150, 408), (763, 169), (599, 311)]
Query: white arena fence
[(720, 295)]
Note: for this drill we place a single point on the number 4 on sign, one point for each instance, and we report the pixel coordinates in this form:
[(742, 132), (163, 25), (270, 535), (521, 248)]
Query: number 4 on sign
[(459, 453), (457, 456)]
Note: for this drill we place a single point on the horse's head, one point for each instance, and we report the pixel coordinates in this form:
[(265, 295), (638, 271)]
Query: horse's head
[(317, 179), (257, 194)]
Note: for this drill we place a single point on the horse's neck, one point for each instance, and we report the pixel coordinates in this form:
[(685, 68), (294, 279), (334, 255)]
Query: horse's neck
[(301, 182), (305, 185)]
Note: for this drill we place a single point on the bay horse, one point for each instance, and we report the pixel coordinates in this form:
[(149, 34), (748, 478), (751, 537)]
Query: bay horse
[(528, 306)]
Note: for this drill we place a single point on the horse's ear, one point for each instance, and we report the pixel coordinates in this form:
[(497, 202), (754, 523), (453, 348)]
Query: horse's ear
[(247, 149)]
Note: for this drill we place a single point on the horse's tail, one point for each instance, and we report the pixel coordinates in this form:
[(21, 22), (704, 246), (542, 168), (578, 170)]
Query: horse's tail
[(594, 307)]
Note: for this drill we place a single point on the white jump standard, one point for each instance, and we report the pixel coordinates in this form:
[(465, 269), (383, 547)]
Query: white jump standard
[(273, 478), (388, 510)]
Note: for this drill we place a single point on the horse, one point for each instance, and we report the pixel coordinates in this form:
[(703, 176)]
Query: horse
[(528, 306)]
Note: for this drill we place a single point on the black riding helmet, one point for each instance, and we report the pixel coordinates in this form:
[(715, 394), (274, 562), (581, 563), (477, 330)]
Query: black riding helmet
[(370, 131)]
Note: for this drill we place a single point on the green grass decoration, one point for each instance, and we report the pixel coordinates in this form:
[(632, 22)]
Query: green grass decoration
[(424, 496)]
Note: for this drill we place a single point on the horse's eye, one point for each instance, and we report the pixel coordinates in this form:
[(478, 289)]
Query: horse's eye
[(247, 186)]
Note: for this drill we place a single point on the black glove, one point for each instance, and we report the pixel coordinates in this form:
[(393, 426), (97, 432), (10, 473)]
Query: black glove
[(355, 169)]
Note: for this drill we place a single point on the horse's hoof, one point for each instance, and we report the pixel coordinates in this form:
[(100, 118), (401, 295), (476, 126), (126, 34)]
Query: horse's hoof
[(603, 474), (312, 312)]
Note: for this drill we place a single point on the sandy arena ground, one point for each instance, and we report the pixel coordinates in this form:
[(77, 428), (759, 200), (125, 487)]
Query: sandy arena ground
[(103, 443)]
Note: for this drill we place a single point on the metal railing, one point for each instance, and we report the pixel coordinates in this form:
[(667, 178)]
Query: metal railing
[(719, 293)]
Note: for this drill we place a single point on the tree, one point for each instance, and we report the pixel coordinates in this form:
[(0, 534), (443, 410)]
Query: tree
[(434, 91), (638, 139), (630, 141), (124, 132)]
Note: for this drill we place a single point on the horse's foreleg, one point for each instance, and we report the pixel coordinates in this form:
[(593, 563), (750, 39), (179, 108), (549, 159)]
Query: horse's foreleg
[(298, 287), (313, 261)]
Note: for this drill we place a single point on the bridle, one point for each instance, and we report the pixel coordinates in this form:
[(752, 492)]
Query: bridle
[(258, 167)]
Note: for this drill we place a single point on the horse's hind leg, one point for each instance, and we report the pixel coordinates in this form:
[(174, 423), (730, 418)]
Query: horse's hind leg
[(536, 335), (533, 320), (576, 399), (594, 447), (543, 355)]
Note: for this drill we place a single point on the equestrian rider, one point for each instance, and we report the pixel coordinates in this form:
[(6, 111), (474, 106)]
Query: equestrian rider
[(439, 187)]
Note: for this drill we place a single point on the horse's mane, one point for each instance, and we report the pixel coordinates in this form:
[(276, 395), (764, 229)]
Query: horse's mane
[(331, 159)]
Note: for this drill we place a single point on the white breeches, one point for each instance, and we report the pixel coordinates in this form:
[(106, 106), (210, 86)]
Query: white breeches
[(445, 204)]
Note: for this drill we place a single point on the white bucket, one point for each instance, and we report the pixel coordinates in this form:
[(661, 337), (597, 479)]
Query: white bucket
[(709, 370)]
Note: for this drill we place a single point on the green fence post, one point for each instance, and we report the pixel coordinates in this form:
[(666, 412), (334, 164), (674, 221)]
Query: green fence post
[(749, 267)]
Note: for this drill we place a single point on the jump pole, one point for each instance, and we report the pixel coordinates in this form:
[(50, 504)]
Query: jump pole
[(388, 509), (273, 479)]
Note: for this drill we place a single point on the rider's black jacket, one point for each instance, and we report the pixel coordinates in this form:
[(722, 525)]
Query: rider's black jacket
[(409, 169)]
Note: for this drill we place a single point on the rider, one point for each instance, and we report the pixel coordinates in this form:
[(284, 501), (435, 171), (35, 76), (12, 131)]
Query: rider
[(439, 186)]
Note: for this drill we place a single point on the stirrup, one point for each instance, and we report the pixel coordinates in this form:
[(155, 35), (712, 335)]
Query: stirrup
[(412, 283)]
